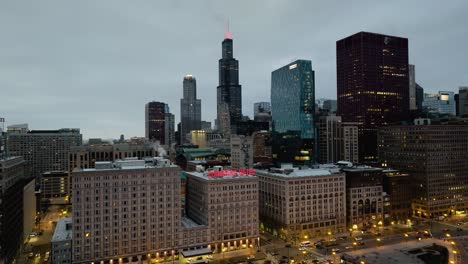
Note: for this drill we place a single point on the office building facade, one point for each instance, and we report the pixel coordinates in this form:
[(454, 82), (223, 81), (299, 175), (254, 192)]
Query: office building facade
[(442, 103), (229, 91), (364, 196), (436, 157), (293, 97), (241, 151), (307, 202), (44, 150), (159, 123), (372, 84), (190, 108), (412, 86), (62, 242)]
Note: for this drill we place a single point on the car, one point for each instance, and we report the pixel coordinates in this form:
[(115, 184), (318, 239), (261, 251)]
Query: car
[(378, 234), (332, 239), (358, 238), (335, 250), (33, 234), (288, 245), (348, 247), (360, 243), (302, 248), (38, 255), (251, 257), (343, 238), (31, 255)]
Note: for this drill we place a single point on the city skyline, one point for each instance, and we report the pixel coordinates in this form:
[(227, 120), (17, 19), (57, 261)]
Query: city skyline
[(119, 55)]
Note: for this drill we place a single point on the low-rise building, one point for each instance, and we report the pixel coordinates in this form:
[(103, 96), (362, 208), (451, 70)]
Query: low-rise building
[(62, 242), (304, 202), (55, 184), (364, 196)]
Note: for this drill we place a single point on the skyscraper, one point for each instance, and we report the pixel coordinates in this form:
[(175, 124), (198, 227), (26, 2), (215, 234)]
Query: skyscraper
[(159, 123), (292, 98), (463, 102), (229, 93), (372, 84), (190, 108)]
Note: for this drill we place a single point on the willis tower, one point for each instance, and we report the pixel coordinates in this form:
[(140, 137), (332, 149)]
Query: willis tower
[(229, 94)]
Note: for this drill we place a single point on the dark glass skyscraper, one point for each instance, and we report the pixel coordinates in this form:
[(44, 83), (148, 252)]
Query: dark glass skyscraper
[(229, 93), (372, 84), (293, 110), (190, 108), (159, 123)]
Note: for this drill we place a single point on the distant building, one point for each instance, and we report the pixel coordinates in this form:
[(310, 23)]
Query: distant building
[(262, 147), (190, 108), (205, 125), (289, 147), (329, 106), (419, 97), (12, 182), (44, 150), (55, 184), (85, 157), (372, 85), (249, 127), (198, 137), (441, 103), (241, 151), (229, 91), (262, 107), (436, 157), (463, 102), (159, 123), (216, 156), (306, 202), (412, 87), (364, 196), (337, 140), (62, 242)]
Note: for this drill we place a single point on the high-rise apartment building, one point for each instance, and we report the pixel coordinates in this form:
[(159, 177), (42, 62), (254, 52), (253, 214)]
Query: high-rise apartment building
[(372, 84), (364, 196), (229, 92), (159, 123), (337, 140), (442, 102), (463, 102), (190, 108), (436, 157), (44, 150), (307, 202)]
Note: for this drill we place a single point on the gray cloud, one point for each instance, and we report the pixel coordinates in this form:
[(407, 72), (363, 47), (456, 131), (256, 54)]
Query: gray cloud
[(94, 64)]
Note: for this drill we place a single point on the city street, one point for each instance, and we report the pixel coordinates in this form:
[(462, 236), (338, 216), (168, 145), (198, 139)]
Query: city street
[(41, 244)]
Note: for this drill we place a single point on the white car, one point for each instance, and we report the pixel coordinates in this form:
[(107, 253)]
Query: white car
[(358, 238), (332, 239), (335, 250)]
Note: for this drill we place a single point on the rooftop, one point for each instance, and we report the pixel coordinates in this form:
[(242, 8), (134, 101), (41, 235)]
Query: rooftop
[(219, 177), (131, 164), (63, 230), (296, 172), (189, 223)]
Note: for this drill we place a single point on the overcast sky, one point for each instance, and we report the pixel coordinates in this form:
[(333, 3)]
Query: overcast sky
[(94, 64)]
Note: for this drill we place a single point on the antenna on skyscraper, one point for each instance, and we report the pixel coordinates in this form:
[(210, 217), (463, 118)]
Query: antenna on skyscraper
[(227, 33)]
